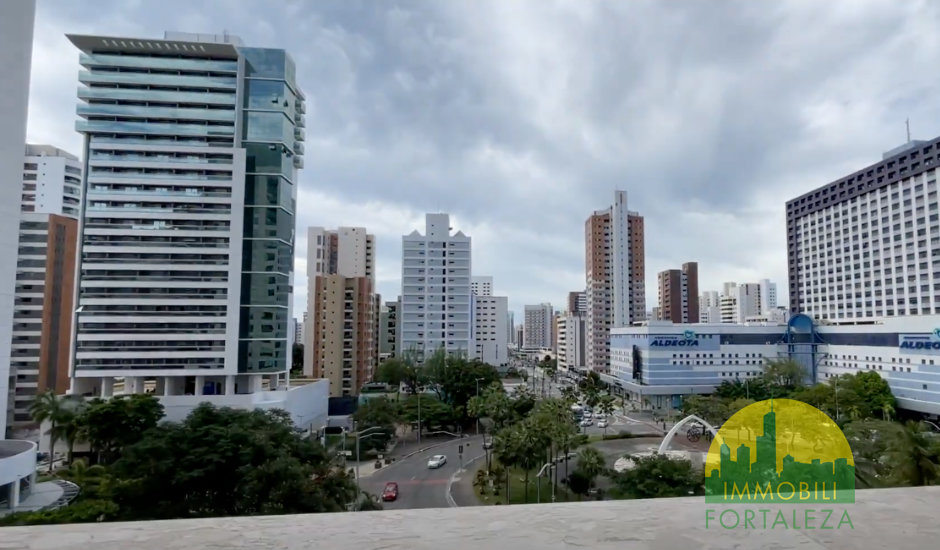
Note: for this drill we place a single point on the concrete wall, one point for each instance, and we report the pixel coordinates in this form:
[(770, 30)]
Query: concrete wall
[(306, 404), (17, 460)]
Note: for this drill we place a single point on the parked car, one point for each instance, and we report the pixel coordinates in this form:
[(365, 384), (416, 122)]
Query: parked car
[(391, 491), (598, 415), (601, 423), (437, 461), (586, 422)]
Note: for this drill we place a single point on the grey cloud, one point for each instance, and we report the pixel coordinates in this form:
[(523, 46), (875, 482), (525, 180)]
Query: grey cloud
[(521, 118)]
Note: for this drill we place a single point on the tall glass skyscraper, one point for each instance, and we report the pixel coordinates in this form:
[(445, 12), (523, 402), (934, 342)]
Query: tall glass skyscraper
[(192, 145)]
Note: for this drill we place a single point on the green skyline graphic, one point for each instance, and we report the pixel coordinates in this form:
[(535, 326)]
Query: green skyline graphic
[(741, 480)]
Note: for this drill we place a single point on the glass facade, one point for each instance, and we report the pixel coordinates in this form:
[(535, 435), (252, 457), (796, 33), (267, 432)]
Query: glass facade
[(271, 108), (163, 123)]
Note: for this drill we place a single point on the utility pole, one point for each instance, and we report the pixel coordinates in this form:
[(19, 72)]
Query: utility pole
[(419, 418), (478, 395)]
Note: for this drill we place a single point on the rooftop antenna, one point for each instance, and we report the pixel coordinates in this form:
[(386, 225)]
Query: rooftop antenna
[(907, 123)]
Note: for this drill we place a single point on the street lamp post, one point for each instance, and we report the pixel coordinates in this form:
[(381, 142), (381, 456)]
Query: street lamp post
[(478, 395), (359, 436)]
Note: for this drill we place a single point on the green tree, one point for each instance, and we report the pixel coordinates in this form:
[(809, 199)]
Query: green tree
[(783, 376), (378, 412), (570, 394), (659, 476), (552, 419), (751, 388), (297, 357), (435, 414), (57, 410), (606, 407), (874, 392), (455, 379), (493, 404), (71, 425), (83, 511), (591, 463), (579, 483), (93, 480), (111, 425), (393, 371), (914, 452), (523, 401), (227, 462), (506, 450), (712, 409)]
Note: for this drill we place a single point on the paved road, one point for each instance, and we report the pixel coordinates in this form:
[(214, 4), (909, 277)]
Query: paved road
[(419, 486)]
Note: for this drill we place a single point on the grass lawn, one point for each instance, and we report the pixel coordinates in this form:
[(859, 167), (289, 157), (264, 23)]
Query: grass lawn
[(517, 489)]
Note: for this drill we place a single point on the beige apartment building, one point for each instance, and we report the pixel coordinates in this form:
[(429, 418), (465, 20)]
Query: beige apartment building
[(341, 335), (614, 272)]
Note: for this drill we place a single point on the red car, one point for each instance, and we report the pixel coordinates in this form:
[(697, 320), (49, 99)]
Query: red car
[(390, 492)]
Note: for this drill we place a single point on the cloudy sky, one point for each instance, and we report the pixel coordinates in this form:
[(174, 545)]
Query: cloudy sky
[(521, 118)]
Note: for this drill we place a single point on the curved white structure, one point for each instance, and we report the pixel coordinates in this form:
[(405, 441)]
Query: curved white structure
[(17, 471), (668, 439)]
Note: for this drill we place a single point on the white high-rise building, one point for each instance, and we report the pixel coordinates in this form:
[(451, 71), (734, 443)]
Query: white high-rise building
[(192, 147), (16, 28), (571, 341), (709, 307), (511, 328), (297, 329), (768, 296), (52, 181), (490, 315), (45, 280), (738, 303), (864, 246), (537, 333), (436, 298), (481, 285)]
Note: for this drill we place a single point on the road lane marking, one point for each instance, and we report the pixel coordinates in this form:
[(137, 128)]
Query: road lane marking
[(450, 499)]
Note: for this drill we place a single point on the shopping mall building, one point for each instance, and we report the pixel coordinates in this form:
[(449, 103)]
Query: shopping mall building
[(655, 364)]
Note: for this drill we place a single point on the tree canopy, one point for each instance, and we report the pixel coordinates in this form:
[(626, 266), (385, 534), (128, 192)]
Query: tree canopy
[(657, 476), (228, 462)]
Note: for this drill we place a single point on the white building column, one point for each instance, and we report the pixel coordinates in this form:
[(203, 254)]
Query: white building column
[(200, 383), (107, 387), (15, 494), (230, 384)]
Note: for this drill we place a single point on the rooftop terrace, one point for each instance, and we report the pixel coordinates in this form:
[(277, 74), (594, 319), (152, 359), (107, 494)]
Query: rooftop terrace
[(898, 519)]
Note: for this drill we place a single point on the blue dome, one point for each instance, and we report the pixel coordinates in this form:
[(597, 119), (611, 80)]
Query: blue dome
[(800, 323)]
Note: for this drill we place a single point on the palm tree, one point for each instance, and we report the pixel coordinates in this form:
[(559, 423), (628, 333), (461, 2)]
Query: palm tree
[(915, 454), (89, 478), (70, 426), (591, 463), (887, 409), (53, 408), (606, 408), (570, 394)]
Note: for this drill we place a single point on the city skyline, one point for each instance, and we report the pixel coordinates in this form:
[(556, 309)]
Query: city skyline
[(731, 209)]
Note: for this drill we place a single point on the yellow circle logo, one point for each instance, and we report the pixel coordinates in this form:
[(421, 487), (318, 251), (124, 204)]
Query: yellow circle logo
[(780, 450)]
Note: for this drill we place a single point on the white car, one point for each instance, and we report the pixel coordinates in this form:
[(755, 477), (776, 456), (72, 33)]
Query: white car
[(586, 422), (601, 423), (598, 415), (437, 461)]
